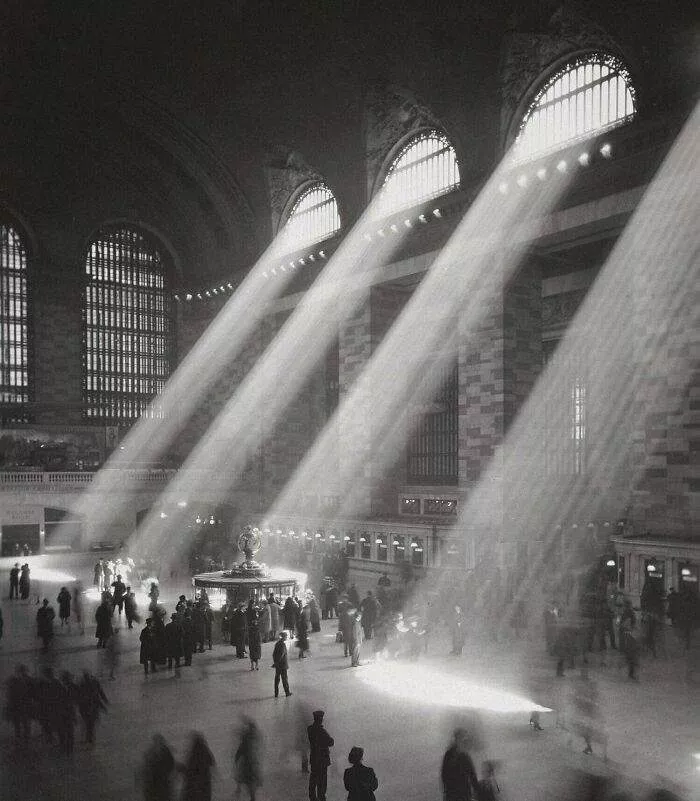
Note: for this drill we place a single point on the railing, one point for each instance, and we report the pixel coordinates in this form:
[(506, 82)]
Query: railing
[(53, 481)]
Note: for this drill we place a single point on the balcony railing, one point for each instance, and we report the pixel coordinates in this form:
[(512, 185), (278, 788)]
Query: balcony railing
[(55, 481)]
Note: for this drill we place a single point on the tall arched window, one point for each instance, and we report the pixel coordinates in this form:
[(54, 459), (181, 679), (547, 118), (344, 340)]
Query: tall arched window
[(589, 94), (426, 167), (128, 325), (313, 218), (14, 318)]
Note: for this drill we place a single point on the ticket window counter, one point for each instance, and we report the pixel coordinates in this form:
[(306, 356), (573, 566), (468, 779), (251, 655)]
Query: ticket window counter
[(688, 577), (654, 569)]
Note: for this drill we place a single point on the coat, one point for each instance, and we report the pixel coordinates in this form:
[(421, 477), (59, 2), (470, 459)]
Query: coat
[(290, 613), (275, 612), (254, 642), (64, 600), (320, 743), (149, 645), (173, 640), (458, 775), (44, 621), (103, 618), (360, 781), (279, 655)]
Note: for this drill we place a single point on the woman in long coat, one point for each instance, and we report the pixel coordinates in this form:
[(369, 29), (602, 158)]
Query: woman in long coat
[(63, 600), (265, 621), (24, 582), (254, 644), (247, 760)]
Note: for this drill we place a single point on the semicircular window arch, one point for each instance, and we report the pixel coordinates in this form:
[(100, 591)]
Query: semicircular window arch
[(314, 217), (426, 167), (15, 382), (128, 324), (588, 94)]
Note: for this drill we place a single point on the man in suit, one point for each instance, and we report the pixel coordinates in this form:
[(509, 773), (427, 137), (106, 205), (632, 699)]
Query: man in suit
[(320, 743), (280, 663)]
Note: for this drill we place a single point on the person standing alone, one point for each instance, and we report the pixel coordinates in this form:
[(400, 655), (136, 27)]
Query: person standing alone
[(280, 663), (14, 582), (320, 743)]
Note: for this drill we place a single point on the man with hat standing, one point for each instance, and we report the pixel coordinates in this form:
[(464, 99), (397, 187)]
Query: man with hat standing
[(320, 743)]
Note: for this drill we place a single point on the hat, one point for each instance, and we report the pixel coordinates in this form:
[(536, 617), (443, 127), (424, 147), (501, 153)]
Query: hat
[(355, 755), (318, 714)]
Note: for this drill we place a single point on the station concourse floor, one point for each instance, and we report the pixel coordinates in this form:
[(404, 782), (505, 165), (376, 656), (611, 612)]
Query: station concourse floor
[(401, 713)]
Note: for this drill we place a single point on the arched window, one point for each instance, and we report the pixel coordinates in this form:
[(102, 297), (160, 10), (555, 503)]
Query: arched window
[(128, 325), (426, 167), (313, 218), (587, 95), (14, 318)]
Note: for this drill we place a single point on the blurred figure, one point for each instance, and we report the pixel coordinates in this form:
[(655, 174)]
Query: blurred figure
[(173, 643), (275, 616), (44, 624), (458, 628), (459, 779), (91, 702), (237, 624), (265, 620), (130, 609), (103, 620), (156, 771), (18, 702), (629, 645), (65, 712), (98, 576), (320, 743), (78, 606), (247, 759), (370, 612), (112, 654), (290, 613), (314, 616), (197, 770), (63, 600), (118, 593), (154, 595), (360, 781)]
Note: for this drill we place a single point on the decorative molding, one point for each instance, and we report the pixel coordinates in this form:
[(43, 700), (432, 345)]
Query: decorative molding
[(559, 310), (286, 171)]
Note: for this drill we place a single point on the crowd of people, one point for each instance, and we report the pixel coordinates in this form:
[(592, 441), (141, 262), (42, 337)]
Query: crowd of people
[(381, 625)]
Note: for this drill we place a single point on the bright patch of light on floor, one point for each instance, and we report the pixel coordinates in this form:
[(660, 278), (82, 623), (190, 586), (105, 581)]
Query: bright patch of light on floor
[(51, 576), (423, 684)]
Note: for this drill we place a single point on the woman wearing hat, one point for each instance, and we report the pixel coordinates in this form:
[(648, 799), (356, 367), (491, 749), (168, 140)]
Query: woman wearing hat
[(360, 781)]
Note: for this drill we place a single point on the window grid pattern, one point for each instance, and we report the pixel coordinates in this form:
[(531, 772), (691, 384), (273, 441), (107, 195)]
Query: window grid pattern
[(425, 168), (128, 327), (14, 319), (578, 425), (314, 217), (432, 449), (591, 94)]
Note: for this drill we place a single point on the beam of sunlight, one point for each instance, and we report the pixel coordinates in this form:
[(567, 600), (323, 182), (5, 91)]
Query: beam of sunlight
[(458, 291), (220, 456), (48, 576), (635, 321), (418, 683), (186, 389)]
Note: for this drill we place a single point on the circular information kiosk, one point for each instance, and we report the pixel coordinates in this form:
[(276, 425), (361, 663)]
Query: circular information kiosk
[(250, 579)]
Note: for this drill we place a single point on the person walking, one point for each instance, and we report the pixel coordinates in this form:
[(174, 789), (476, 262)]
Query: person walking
[(103, 619), (44, 624), (275, 616), (197, 770), (290, 612), (280, 663), (360, 780), (130, 609), (320, 743), (156, 771), (238, 630), (303, 633), (247, 760), (98, 575), (14, 582), (459, 779), (370, 611), (118, 594), (91, 702), (77, 607), (18, 702), (63, 599)]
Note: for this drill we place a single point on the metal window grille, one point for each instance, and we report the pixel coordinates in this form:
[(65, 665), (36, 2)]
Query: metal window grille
[(14, 319), (432, 448), (585, 97), (578, 425), (127, 326), (425, 168), (314, 217)]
